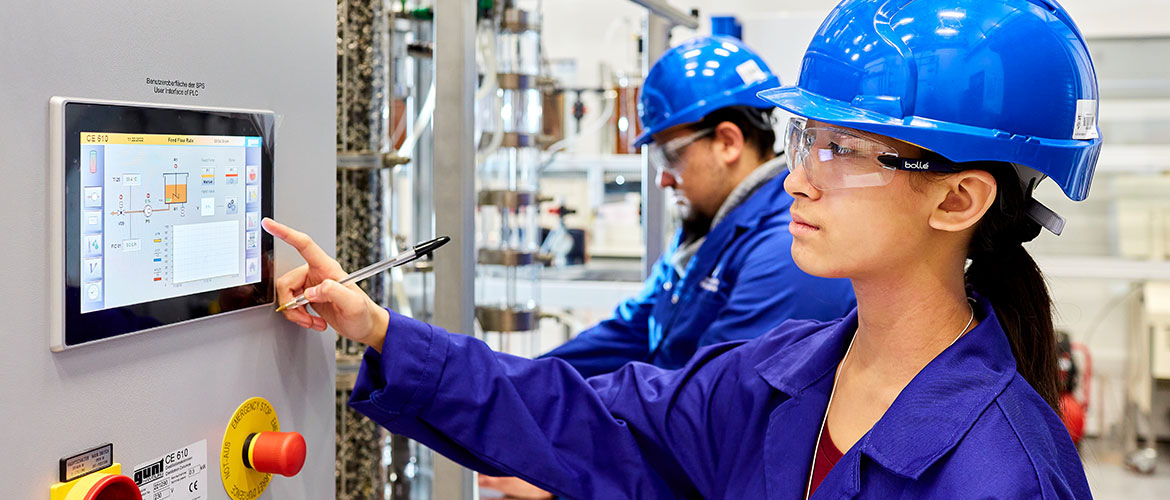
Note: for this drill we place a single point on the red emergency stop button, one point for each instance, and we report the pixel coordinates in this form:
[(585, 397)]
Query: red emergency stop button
[(113, 487), (275, 452)]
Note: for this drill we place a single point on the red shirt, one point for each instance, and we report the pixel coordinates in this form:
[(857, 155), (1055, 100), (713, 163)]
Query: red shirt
[(827, 457)]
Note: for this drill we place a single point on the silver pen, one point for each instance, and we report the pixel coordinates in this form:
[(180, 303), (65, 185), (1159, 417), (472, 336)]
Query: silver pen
[(410, 255)]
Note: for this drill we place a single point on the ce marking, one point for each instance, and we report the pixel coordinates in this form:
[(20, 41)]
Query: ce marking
[(193, 487)]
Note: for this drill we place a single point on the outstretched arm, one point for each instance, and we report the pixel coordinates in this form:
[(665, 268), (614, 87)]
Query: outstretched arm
[(630, 434)]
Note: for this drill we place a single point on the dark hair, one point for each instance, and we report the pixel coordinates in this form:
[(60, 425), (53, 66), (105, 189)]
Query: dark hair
[(1002, 271), (754, 123)]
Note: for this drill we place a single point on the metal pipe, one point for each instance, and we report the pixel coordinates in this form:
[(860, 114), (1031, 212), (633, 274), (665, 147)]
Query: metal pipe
[(672, 15)]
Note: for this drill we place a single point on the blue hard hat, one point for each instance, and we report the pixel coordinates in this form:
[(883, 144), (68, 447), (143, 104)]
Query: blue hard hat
[(698, 77), (972, 80)]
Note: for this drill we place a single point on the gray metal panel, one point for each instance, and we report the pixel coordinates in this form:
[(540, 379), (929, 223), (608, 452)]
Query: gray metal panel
[(454, 186), (453, 192), (150, 394), (653, 199)]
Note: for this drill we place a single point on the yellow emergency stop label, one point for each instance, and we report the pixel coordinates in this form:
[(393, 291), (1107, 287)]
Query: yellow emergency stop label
[(253, 416)]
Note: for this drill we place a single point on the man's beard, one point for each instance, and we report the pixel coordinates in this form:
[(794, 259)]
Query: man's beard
[(694, 224)]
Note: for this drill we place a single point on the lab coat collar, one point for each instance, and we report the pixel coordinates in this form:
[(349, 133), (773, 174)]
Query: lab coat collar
[(793, 368), (769, 170), (933, 412), (763, 200)]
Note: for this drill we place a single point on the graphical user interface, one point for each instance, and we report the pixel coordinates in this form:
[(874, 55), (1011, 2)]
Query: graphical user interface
[(167, 215)]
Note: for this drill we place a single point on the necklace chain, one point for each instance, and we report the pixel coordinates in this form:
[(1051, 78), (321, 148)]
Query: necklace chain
[(840, 367)]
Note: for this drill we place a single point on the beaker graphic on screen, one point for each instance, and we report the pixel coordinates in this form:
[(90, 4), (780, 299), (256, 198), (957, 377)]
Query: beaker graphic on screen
[(176, 187)]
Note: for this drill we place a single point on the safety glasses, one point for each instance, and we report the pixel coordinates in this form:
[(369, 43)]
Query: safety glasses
[(667, 158), (835, 158)]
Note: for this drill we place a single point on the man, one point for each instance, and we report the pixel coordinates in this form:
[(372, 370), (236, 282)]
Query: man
[(728, 273)]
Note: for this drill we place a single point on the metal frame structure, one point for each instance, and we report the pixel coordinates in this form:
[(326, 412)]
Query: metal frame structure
[(661, 18), (667, 13), (454, 166), (657, 40)]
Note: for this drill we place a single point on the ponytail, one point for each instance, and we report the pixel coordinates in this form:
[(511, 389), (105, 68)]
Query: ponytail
[(1002, 271)]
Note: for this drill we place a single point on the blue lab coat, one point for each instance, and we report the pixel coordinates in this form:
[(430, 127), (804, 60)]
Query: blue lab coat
[(739, 421), (741, 283)]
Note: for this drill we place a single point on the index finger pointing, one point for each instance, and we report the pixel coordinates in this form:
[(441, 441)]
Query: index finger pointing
[(300, 241)]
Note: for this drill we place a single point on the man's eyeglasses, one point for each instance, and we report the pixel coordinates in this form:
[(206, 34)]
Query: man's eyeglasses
[(667, 158)]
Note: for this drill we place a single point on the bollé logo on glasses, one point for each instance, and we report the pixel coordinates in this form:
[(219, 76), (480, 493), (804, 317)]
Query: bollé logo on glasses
[(915, 165)]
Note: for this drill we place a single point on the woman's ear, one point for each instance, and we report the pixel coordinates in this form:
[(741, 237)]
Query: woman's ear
[(728, 143), (965, 197)]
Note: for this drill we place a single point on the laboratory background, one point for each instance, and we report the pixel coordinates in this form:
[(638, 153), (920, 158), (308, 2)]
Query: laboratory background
[(372, 125)]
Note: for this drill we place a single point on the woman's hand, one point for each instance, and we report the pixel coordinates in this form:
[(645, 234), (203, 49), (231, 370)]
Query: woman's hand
[(344, 307)]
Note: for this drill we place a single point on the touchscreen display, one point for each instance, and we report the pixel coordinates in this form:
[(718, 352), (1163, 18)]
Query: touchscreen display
[(167, 215), (160, 215)]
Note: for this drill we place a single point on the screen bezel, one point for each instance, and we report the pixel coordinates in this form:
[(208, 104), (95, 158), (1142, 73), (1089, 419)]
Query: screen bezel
[(108, 323)]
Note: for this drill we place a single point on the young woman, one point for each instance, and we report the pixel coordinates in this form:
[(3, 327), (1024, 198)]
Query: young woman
[(922, 127)]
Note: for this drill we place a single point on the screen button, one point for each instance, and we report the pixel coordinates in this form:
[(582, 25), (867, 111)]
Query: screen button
[(252, 240), (230, 206), (252, 268), (253, 174), (93, 291), (252, 221), (91, 269), (207, 207), (93, 244), (93, 197), (93, 221)]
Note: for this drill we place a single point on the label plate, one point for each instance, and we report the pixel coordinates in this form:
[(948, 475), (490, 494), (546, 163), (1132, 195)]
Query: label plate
[(87, 461), (178, 475)]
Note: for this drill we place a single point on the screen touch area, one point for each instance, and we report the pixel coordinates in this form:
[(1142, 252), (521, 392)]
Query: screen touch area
[(167, 215)]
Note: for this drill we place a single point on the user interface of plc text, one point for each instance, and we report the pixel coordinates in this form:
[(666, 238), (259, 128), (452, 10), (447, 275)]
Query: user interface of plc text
[(167, 215)]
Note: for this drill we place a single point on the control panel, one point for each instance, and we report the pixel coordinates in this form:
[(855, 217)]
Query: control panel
[(160, 211)]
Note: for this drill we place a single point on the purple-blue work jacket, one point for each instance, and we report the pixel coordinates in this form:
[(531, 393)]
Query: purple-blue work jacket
[(739, 421)]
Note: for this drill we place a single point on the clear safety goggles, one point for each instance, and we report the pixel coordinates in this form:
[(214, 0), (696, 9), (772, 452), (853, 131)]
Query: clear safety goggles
[(667, 158), (835, 158)]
